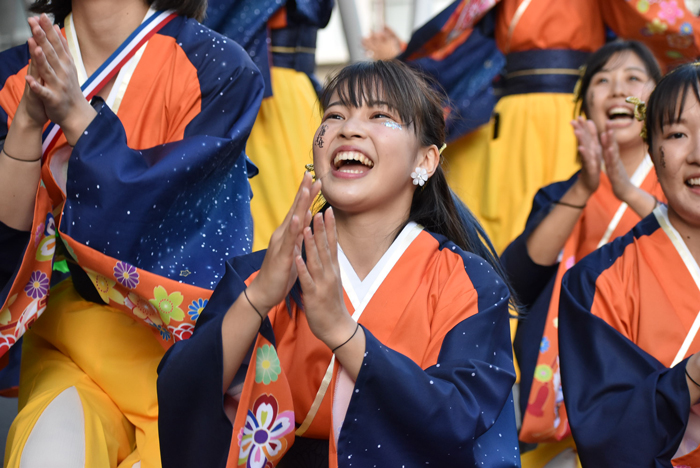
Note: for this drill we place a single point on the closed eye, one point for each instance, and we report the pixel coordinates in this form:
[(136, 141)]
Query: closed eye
[(332, 116)]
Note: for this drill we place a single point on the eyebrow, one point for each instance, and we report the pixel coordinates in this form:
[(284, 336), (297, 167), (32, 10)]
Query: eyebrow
[(626, 69), (375, 103)]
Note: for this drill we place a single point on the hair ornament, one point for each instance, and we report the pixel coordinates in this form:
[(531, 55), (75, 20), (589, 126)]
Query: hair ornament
[(442, 148), (640, 113), (579, 83), (310, 168), (420, 176)]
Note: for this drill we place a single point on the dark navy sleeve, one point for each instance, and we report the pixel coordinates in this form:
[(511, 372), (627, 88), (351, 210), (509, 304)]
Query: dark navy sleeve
[(458, 412), (527, 278), (624, 407), (12, 246), (194, 429), (184, 205)]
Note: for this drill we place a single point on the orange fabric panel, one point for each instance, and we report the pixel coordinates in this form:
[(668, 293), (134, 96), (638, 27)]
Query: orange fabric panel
[(669, 29), (153, 114), (550, 24), (11, 94), (600, 210), (649, 296), (426, 294), (279, 19)]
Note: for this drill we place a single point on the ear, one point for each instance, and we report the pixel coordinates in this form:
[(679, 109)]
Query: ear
[(429, 159)]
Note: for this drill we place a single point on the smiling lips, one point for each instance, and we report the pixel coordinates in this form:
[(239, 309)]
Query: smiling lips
[(352, 162)]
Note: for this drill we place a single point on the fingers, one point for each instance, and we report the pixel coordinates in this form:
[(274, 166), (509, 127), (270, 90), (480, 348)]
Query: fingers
[(305, 279), (37, 88), (321, 241), (47, 49), (52, 34), (332, 235), (313, 261)]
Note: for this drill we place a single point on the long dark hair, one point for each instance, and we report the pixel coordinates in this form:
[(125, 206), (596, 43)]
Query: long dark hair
[(419, 103), (597, 60), (60, 8), (664, 106)]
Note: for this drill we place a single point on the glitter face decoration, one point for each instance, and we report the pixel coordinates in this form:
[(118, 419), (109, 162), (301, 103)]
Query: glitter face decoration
[(392, 124), (319, 139)]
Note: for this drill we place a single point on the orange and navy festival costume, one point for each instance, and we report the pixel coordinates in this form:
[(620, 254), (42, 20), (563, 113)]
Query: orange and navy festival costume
[(628, 319), (533, 53), (434, 387), (145, 209), (603, 219)]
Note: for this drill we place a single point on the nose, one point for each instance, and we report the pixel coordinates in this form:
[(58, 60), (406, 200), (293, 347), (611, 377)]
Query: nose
[(619, 87), (694, 153), (352, 128)]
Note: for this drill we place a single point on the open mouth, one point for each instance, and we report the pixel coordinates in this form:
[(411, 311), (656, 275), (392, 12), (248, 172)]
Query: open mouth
[(620, 113), (352, 162), (693, 182)]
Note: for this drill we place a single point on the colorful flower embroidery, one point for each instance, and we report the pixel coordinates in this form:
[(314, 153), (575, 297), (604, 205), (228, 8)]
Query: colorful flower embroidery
[(643, 6), (182, 332), (126, 275), (262, 437), (670, 11), (655, 27), (38, 234), (543, 373), (142, 309), (167, 304), (6, 315), (46, 249), (686, 29), (164, 333), (196, 308), (38, 285), (267, 365), (544, 344)]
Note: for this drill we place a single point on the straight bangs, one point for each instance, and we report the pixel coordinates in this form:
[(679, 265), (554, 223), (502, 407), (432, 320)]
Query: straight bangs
[(598, 59), (390, 83), (667, 101)]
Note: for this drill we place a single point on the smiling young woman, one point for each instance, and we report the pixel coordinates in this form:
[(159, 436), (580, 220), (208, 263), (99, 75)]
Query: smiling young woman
[(379, 330), (634, 394), (614, 190)]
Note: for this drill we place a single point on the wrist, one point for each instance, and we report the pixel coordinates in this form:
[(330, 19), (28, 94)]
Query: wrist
[(77, 121), (339, 336), (257, 299), (579, 192), (23, 121)]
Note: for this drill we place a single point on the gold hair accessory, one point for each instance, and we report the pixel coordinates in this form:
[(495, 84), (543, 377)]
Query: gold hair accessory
[(442, 148), (310, 168), (579, 83), (640, 113)]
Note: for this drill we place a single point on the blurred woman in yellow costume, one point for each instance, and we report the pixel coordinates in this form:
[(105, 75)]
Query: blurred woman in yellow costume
[(280, 37)]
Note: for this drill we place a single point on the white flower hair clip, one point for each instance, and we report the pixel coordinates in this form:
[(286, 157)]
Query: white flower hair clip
[(420, 176)]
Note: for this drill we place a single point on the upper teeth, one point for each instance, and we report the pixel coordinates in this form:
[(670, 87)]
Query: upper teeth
[(619, 111), (352, 156), (694, 181)]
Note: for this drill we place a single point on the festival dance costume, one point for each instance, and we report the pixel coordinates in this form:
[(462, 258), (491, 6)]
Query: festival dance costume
[(434, 386), (498, 166), (280, 37), (628, 321), (145, 208), (603, 219)]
